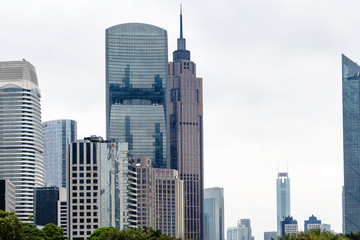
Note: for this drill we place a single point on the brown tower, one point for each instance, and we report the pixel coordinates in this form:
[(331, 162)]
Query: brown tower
[(186, 135)]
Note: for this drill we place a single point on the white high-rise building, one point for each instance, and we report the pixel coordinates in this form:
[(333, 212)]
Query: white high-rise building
[(282, 198), (21, 142)]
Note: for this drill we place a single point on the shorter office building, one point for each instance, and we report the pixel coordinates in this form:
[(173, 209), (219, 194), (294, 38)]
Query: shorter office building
[(270, 235), (160, 198), (231, 233), (7, 195), (288, 226), (50, 206), (312, 223), (101, 187), (214, 213)]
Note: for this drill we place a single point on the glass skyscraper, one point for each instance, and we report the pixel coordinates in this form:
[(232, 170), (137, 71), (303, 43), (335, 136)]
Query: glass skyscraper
[(57, 134), (351, 141), (21, 140), (214, 214), (282, 198), (136, 89), (186, 135)]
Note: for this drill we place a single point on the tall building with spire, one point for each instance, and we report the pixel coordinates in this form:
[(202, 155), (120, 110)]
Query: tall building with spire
[(351, 141), (186, 134), (282, 198)]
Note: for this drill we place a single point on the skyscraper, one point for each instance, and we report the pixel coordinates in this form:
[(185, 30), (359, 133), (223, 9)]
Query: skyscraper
[(282, 198), (57, 134), (160, 199), (101, 187), (186, 134), (136, 90), (351, 141), (21, 143), (214, 214)]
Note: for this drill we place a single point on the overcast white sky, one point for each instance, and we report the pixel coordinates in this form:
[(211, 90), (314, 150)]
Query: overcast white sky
[(272, 86)]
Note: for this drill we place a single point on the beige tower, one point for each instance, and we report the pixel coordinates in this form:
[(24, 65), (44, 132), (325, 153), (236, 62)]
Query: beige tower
[(186, 135), (160, 198)]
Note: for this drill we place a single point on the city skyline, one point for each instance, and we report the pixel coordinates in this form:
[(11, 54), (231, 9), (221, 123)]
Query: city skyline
[(274, 80)]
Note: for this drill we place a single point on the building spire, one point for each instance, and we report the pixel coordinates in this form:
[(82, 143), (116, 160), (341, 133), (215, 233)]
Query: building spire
[(181, 30), (181, 53)]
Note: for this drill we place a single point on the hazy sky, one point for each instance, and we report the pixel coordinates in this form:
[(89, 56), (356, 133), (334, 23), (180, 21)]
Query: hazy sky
[(272, 86)]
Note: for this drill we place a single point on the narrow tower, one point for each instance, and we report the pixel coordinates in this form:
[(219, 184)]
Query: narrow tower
[(282, 198), (186, 134)]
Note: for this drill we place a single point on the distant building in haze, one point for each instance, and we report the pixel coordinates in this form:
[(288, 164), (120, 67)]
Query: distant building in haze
[(288, 226), (56, 135), (270, 235), (186, 134), (214, 214), (312, 223), (282, 198), (231, 233), (21, 140), (351, 141)]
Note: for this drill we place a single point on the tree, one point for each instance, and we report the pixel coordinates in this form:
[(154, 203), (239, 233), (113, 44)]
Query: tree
[(314, 234), (102, 233), (53, 232), (10, 226)]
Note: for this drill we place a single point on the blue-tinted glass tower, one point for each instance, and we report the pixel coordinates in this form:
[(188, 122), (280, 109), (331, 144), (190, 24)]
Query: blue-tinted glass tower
[(136, 89), (57, 134), (351, 141), (282, 198)]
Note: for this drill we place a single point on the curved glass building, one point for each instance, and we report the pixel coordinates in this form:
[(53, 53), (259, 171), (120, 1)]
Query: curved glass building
[(57, 134), (136, 83), (21, 143)]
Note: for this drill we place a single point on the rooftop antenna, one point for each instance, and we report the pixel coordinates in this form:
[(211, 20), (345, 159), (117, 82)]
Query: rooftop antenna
[(181, 30)]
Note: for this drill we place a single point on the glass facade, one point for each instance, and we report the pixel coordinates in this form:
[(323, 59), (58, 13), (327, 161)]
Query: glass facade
[(57, 134), (214, 214), (351, 141), (136, 83), (21, 140), (46, 205), (282, 199)]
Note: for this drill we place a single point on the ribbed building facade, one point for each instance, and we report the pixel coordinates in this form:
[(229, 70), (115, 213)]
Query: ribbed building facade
[(136, 84), (57, 134), (186, 135), (351, 141), (21, 142)]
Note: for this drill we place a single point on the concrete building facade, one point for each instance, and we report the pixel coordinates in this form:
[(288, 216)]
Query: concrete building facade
[(160, 198), (102, 187), (7, 195)]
